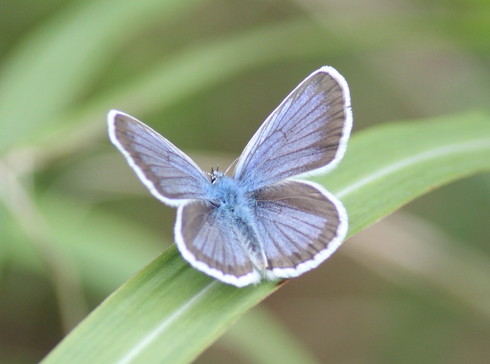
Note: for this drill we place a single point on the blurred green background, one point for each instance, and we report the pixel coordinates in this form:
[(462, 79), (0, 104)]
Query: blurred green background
[(75, 222)]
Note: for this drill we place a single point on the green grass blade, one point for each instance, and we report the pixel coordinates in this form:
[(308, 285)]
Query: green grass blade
[(378, 175), (169, 312)]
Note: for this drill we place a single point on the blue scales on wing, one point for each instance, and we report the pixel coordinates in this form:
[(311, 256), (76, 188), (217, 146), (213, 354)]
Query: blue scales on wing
[(169, 174), (306, 133), (300, 225), (210, 242)]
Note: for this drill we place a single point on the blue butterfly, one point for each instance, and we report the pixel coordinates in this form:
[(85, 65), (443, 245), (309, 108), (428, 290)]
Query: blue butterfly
[(260, 223)]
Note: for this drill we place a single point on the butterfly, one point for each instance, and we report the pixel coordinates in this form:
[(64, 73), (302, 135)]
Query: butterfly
[(262, 222)]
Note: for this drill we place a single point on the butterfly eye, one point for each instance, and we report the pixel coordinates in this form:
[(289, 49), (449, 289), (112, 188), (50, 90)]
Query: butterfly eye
[(215, 175)]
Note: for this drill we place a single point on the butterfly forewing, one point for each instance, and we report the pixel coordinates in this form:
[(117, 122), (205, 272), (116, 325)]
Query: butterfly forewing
[(211, 243), (170, 175), (300, 225), (306, 133)]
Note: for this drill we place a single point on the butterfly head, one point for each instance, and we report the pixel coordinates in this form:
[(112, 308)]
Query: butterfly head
[(227, 193), (215, 175)]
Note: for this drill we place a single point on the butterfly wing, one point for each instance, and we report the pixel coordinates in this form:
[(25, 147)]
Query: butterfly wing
[(212, 244), (306, 133), (169, 174), (300, 225)]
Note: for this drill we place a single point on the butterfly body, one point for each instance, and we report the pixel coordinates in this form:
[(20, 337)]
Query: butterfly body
[(233, 203), (227, 192), (261, 222)]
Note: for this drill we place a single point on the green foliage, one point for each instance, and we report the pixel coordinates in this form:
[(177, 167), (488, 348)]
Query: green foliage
[(169, 312)]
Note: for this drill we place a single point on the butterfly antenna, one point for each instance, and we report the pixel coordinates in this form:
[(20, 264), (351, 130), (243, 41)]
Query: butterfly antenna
[(231, 165), (209, 173)]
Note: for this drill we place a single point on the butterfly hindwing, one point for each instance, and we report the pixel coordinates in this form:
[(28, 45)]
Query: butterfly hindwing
[(300, 225), (212, 244)]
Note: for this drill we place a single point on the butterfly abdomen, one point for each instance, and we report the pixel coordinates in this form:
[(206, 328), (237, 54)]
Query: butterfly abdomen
[(233, 203)]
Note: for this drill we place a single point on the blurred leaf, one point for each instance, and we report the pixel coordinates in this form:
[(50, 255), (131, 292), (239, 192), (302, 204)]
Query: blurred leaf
[(57, 62), (262, 339), (413, 254), (13, 244), (184, 73), (170, 312), (105, 250)]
